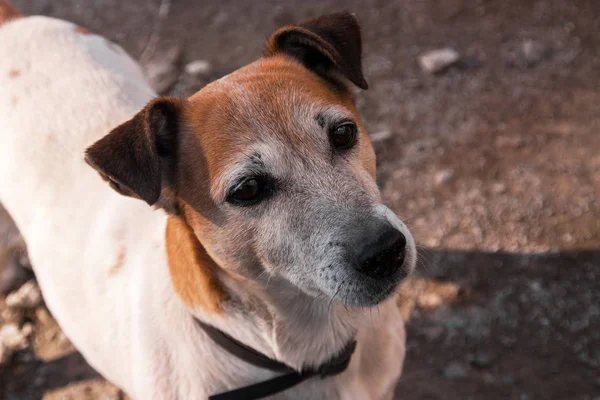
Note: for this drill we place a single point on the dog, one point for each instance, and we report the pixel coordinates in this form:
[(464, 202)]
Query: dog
[(191, 247)]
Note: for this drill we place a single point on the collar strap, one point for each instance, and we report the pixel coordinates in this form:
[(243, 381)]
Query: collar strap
[(291, 377)]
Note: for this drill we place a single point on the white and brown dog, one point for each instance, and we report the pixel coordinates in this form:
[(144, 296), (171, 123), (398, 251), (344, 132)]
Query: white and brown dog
[(267, 238)]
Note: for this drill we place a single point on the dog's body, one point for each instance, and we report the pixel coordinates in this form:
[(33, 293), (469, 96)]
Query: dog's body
[(122, 289)]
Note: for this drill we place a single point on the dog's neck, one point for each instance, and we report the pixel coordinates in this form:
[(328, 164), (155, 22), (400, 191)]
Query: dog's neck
[(287, 324), (274, 318)]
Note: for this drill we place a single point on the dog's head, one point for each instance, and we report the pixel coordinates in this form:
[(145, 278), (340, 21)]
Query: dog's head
[(272, 169)]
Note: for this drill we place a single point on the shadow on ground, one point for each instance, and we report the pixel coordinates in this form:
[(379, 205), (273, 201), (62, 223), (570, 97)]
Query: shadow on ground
[(523, 326)]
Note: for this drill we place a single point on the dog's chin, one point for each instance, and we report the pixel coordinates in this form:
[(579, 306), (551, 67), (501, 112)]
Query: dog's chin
[(357, 290)]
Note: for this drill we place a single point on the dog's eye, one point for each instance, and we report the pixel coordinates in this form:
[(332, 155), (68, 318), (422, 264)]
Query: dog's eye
[(343, 136), (248, 192)]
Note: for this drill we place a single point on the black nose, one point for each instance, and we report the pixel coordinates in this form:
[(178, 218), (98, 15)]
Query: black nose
[(383, 257)]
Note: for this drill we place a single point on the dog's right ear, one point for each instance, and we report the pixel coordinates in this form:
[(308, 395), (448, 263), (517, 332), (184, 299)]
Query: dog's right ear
[(136, 156)]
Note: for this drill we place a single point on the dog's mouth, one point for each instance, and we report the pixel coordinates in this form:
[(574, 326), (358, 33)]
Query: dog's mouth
[(371, 291)]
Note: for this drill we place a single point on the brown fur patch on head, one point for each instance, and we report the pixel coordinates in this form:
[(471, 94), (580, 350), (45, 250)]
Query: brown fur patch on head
[(14, 100), (8, 12), (192, 271), (14, 73), (271, 105), (80, 29)]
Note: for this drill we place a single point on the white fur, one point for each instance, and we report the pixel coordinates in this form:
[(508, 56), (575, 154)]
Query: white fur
[(70, 90)]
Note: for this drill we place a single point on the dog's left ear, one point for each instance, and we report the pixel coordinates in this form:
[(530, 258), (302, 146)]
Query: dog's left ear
[(329, 45)]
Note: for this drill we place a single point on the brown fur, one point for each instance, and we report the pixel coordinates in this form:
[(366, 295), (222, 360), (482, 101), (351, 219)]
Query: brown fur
[(8, 12), (193, 272), (14, 73), (82, 30)]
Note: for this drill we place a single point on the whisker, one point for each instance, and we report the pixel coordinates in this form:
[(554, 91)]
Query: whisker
[(331, 300)]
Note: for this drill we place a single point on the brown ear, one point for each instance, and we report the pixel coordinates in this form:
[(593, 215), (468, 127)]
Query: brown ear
[(134, 157), (326, 45)]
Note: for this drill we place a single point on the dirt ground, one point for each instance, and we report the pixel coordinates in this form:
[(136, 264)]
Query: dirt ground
[(494, 164)]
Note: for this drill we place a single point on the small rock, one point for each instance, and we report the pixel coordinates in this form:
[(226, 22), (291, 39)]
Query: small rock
[(12, 315), (482, 360), (532, 53), (489, 378), (432, 333), (198, 67), (437, 61), (381, 135), (498, 187), (510, 141), (454, 371), (429, 300), (27, 297), (27, 329), (444, 176), (12, 338), (567, 238), (162, 70)]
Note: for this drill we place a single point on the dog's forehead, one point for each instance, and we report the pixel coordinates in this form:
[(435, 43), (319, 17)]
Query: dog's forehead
[(264, 112)]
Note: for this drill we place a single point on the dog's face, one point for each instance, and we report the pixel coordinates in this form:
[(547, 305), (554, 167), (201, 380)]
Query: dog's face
[(272, 169)]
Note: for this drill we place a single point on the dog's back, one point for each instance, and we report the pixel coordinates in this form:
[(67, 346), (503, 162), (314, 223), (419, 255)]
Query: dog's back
[(61, 89)]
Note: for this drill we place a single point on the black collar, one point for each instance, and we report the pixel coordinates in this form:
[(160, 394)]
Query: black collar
[(291, 377)]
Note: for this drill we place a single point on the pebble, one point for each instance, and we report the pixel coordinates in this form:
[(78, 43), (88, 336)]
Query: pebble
[(162, 70), (533, 52), (439, 60), (198, 67), (489, 378), (444, 176), (498, 187), (510, 141), (481, 360), (27, 297), (429, 300), (12, 315), (433, 333), (13, 338), (454, 371)]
